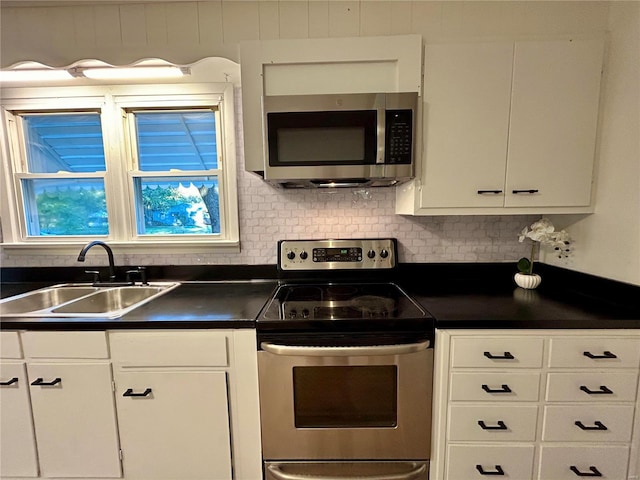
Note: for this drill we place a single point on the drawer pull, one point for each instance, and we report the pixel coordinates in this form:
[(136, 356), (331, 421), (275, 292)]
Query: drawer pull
[(505, 356), (500, 426), (530, 191), (503, 389), (40, 382), (9, 382), (597, 426), (485, 192), (605, 354), (131, 393), (593, 473), (498, 470), (603, 390)]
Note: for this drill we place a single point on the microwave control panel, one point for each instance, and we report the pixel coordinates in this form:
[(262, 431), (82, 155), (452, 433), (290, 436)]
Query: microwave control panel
[(398, 136), (370, 253)]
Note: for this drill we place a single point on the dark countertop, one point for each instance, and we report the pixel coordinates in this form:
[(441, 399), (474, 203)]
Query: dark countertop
[(457, 295), (489, 298), (215, 304)]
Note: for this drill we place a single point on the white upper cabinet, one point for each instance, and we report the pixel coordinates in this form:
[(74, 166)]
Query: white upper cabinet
[(508, 128), (554, 113)]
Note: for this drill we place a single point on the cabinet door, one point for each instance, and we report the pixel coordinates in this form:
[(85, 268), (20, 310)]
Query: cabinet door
[(18, 448), (466, 117), (74, 419), (174, 425), (554, 113)]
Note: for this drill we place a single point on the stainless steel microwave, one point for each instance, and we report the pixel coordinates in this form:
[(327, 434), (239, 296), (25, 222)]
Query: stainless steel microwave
[(339, 140)]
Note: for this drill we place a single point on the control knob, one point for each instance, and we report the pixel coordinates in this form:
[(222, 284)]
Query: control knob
[(384, 253), (291, 255), (303, 255), (371, 254)]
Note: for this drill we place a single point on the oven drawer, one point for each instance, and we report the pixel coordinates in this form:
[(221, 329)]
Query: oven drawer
[(346, 470)]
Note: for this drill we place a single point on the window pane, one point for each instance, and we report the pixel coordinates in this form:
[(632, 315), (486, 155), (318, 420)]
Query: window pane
[(177, 206), (64, 142), (181, 140), (70, 206)]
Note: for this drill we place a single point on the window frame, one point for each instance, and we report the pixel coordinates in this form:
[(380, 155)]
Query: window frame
[(115, 104)]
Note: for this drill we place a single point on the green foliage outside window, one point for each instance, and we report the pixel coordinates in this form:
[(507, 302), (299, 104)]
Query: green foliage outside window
[(72, 211)]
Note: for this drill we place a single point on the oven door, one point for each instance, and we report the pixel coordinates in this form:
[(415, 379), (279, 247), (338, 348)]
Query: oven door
[(337, 403)]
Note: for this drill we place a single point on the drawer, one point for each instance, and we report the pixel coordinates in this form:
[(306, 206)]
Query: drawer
[(495, 387), (169, 348), (10, 345), (65, 344), (596, 352), (568, 463), (591, 387), (587, 423), (497, 352), (472, 462), (504, 423)]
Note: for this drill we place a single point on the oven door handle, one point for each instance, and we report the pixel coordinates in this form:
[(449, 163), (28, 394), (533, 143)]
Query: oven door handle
[(277, 473), (305, 351)]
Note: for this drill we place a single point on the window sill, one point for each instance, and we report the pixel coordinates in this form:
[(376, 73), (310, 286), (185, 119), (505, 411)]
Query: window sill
[(159, 248)]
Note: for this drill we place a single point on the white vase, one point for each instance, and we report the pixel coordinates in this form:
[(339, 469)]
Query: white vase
[(527, 280)]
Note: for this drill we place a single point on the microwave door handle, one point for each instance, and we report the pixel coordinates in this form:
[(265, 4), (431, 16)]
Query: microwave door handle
[(304, 351), (414, 474)]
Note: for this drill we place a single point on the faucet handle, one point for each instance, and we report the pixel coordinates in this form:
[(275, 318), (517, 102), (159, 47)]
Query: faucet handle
[(142, 271), (96, 275)]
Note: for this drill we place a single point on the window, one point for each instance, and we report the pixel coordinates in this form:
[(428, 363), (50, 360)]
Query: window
[(140, 166)]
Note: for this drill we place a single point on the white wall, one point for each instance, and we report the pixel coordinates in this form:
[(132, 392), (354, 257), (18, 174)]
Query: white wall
[(608, 242), (185, 31)]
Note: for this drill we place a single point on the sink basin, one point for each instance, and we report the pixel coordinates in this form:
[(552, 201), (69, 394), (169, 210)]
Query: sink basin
[(78, 300), (42, 299), (111, 300)]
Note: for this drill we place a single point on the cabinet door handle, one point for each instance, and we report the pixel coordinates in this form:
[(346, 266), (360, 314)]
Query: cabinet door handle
[(40, 382), (131, 393), (593, 473), (505, 356), (489, 192), (503, 389), (603, 390), (9, 382), (605, 354), (500, 425), (498, 470), (598, 426), (528, 191)]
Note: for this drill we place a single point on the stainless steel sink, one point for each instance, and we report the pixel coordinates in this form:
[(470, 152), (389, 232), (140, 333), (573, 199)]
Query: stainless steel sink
[(80, 300)]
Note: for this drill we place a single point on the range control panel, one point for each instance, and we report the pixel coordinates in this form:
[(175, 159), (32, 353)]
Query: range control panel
[(364, 253)]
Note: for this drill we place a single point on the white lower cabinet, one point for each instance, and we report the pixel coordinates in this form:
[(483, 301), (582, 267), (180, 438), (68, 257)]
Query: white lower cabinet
[(17, 441), (174, 425), (536, 404), (138, 405), (187, 404), (74, 418)]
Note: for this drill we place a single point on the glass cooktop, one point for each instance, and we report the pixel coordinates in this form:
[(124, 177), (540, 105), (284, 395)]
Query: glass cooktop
[(340, 301)]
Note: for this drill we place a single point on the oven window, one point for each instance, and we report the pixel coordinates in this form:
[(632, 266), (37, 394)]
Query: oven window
[(345, 397)]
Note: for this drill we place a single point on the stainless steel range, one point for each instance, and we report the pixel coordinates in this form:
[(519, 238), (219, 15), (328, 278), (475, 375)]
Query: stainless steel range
[(345, 366)]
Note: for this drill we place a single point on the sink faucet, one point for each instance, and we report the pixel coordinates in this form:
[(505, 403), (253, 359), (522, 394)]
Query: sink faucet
[(112, 268)]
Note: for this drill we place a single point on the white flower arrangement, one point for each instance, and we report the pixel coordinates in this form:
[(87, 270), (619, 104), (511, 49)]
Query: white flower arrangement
[(543, 232)]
